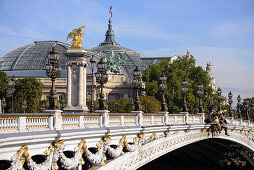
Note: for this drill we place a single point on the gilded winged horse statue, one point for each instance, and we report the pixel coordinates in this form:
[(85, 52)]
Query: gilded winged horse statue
[(76, 36)]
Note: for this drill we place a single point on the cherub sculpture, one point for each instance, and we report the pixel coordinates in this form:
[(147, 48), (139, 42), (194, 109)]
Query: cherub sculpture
[(76, 36)]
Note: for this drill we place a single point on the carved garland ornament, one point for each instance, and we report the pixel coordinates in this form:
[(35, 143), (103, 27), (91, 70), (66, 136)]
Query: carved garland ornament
[(55, 153)]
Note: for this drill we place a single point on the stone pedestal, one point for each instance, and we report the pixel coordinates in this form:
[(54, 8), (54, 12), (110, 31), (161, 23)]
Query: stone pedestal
[(56, 121), (104, 117), (165, 117), (76, 81), (202, 115), (139, 117), (185, 115)]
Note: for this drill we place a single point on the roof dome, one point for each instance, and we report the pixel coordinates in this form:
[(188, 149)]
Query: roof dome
[(33, 57), (132, 58)]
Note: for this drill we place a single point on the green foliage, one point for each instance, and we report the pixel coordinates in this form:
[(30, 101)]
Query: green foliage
[(251, 111), (30, 90), (152, 88), (175, 72), (95, 104), (149, 104), (4, 81), (123, 105)]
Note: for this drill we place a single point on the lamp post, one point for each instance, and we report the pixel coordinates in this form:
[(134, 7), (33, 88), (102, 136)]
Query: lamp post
[(137, 83), (200, 94), (239, 106), (53, 71), (184, 90), (247, 107), (230, 101), (101, 78), (163, 88), (3, 103), (93, 62), (24, 106), (218, 93), (13, 79)]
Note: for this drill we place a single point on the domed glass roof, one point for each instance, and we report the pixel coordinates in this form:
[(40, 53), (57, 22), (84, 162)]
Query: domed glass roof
[(33, 57)]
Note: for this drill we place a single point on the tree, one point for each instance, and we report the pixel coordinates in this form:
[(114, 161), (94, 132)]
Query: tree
[(29, 90), (123, 105), (175, 72), (149, 104), (4, 81)]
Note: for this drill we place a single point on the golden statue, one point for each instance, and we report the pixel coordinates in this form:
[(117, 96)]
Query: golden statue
[(76, 36)]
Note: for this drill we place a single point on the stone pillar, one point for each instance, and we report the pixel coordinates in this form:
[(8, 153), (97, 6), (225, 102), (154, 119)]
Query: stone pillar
[(76, 101), (22, 124), (139, 117), (165, 117), (57, 119), (104, 117), (84, 84), (81, 122), (202, 117), (81, 83), (69, 86)]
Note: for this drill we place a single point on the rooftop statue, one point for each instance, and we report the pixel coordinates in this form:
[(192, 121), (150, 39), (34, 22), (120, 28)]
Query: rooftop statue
[(114, 62), (76, 36)]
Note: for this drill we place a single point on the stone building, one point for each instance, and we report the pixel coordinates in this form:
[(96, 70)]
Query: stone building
[(211, 78), (30, 61)]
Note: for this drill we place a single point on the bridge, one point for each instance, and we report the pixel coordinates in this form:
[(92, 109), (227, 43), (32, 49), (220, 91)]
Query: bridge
[(104, 140)]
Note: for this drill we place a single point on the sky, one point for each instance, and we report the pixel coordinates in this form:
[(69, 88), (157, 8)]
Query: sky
[(219, 31)]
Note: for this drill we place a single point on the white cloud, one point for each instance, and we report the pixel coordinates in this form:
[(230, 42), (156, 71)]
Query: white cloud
[(233, 28)]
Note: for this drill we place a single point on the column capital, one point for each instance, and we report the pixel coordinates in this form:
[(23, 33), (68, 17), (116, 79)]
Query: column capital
[(82, 64)]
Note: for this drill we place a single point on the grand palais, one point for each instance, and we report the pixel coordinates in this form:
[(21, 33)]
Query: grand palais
[(30, 61)]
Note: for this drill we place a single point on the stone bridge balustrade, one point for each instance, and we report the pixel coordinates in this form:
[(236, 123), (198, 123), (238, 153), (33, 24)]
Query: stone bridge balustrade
[(20, 122), (162, 133)]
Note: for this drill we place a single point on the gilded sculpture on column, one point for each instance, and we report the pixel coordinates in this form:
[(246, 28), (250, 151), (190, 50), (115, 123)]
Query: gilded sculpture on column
[(76, 36)]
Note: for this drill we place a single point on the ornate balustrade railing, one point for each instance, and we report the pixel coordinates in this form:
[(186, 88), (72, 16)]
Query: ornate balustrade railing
[(148, 134), (11, 123)]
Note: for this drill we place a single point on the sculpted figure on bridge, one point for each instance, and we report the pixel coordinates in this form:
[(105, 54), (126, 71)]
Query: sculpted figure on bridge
[(115, 150), (217, 122)]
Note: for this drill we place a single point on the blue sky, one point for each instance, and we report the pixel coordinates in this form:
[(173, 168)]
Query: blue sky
[(219, 31)]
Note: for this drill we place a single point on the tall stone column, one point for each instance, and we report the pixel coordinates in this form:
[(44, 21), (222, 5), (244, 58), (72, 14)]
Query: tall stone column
[(81, 84), (84, 84), (76, 83), (69, 85)]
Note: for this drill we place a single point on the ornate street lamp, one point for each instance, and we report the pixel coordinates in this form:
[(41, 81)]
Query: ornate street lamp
[(184, 90), (200, 94), (3, 103), (230, 101), (239, 106), (219, 97), (93, 62), (247, 107), (53, 71), (137, 84), (163, 88), (101, 78), (24, 106), (13, 79)]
